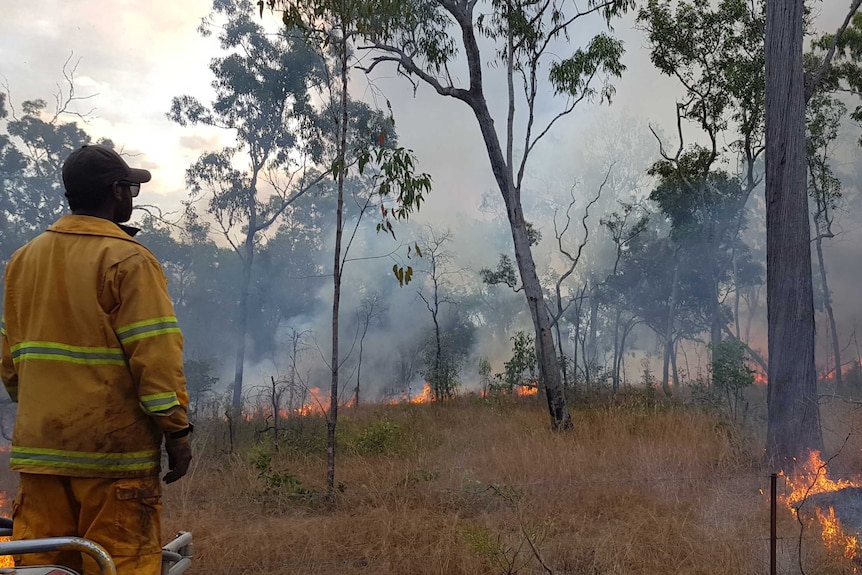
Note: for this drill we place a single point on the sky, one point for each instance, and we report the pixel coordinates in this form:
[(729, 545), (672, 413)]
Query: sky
[(133, 57)]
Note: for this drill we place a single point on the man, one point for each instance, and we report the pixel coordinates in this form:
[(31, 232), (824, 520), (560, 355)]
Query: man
[(92, 353)]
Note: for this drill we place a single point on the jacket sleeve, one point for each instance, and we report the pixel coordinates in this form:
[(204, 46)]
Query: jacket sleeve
[(8, 373), (147, 328)]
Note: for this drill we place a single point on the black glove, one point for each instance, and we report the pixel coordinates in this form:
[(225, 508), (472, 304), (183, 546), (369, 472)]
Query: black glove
[(179, 458)]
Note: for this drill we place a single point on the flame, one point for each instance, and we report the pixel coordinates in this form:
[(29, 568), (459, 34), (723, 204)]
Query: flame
[(425, 396), (846, 370), (811, 480), (317, 405), (760, 379), (527, 390)]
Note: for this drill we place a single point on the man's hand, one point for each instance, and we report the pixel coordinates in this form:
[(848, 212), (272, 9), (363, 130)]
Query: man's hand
[(179, 458)]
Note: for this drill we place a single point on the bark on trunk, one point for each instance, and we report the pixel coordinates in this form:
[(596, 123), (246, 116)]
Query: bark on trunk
[(561, 356), (332, 420), (615, 375), (242, 323), (590, 359), (668, 330), (242, 320), (549, 370), (793, 427)]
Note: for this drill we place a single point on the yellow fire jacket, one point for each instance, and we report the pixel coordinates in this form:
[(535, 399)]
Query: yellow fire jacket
[(92, 353)]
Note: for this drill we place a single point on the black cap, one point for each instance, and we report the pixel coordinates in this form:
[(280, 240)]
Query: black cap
[(91, 170)]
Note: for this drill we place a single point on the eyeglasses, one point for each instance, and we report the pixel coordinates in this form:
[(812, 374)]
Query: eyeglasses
[(134, 188)]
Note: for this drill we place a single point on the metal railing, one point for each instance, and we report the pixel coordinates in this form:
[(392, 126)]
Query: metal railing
[(176, 555)]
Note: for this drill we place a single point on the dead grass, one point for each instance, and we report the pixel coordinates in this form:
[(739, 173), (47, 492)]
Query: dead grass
[(484, 487)]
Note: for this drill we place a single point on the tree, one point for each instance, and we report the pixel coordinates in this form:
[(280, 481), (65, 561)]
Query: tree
[(716, 53), (422, 39), (35, 144), (824, 116), (435, 292), (261, 95), (730, 374), (573, 256), (372, 309), (793, 427), (330, 29), (621, 287), (823, 120)]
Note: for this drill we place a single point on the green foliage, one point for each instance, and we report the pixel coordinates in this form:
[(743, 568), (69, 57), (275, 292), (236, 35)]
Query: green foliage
[(262, 95), (379, 438), (200, 381), (504, 274), (34, 143), (731, 374), (716, 51), (823, 119), (573, 75), (275, 482), (520, 369), (845, 74), (457, 337)]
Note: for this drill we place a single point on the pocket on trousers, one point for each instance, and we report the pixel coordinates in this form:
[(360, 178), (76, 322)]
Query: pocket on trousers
[(137, 516)]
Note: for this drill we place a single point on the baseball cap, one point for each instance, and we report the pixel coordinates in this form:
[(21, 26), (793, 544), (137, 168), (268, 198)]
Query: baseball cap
[(90, 171)]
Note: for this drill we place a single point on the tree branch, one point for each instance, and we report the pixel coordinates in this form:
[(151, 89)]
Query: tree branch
[(817, 77)]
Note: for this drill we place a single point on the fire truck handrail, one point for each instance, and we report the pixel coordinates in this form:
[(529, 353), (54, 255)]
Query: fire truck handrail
[(52, 544)]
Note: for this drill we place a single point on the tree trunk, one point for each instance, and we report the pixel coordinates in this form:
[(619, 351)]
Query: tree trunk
[(793, 427), (668, 330), (275, 400), (332, 420), (242, 323), (827, 303), (549, 370), (358, 371), (615, 374), (561, 351), (592, 352), (673, 366)]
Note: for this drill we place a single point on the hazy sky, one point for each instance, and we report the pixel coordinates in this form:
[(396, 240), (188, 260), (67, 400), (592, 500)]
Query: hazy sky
[(135, 56)]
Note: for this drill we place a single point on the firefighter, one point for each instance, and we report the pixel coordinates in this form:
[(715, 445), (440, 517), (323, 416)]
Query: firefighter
[(92, 354)]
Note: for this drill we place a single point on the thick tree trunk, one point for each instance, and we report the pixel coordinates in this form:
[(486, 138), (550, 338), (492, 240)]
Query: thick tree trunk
[(793, 427)]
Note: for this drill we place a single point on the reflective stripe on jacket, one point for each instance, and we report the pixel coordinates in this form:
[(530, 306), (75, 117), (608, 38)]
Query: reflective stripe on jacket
[(92, 353)]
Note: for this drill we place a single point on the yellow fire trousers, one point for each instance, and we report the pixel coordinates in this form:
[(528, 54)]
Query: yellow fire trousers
[(121, 515)]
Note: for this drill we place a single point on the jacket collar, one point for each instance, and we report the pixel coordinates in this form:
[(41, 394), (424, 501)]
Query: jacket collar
[(93, 226)]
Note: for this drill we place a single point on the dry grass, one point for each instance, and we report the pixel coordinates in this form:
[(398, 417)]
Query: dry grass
[(484, 487), (479, 487)]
